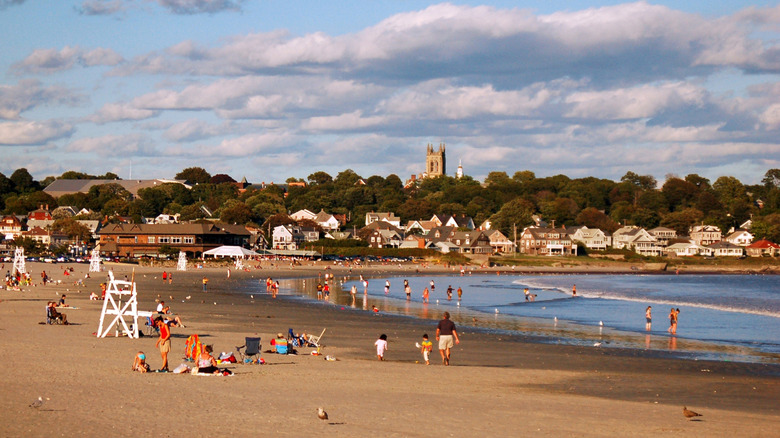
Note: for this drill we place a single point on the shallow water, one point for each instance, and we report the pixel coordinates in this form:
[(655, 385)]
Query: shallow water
[(722, 317)]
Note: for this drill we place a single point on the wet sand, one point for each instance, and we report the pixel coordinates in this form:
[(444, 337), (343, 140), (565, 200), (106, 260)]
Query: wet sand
[(497, 385)]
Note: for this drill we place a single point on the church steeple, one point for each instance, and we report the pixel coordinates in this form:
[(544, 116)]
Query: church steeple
[(435, 161), (459, 172)]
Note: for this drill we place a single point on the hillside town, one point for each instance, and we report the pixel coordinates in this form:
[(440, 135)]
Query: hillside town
[(684, 218)]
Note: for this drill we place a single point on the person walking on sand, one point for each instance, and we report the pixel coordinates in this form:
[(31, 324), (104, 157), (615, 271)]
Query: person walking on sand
[(381, 346), (165, 276), (648, 318), (445, 333), (426, 347), (163, 342), (170, 277), (205, 283)]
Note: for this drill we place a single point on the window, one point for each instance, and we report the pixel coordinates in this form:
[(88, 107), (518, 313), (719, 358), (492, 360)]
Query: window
[(189, 240), (175, 239), (151, 239), (165, 239)]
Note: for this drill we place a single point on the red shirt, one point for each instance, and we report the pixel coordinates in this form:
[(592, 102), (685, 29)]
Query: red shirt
[(165, 332)]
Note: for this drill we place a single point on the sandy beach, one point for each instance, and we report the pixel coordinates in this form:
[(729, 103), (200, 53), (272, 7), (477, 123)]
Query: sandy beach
[(496, 386)]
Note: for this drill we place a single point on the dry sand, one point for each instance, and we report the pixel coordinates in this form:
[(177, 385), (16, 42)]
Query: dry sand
[(496, 386)]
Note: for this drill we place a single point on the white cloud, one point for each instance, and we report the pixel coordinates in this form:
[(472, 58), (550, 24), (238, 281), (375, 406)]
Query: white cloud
[(192, 130), (32, 133), (113, 145), (28, 94), (51, 60), (102, 7), (115, 112), (633, 103)]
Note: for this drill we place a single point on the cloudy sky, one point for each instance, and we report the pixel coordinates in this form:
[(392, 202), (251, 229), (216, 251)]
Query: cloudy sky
[(269, 89)]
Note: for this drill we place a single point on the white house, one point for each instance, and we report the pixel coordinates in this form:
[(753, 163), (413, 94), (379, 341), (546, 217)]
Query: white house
[(686, 249), (740, 238), (383, 217), (303, 214), (499, 242), (705, 234), (328, 222), (292, 237), (593, 238), (663, 235), (726, 249)]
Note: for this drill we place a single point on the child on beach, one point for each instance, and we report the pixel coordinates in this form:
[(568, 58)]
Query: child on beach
[(425, 295), (426, 347), (381, 346), (139, 363)]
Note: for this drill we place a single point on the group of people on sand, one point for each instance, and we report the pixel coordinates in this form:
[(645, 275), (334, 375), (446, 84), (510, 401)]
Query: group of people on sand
[(446, 335)]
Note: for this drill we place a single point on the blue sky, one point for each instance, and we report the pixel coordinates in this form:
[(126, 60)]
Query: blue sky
[(272, 89)]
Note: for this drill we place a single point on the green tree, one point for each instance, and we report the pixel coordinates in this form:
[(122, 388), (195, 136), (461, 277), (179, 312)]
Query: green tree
[(23, 181), (319, 177), (235, 212), (194, 175), (517, 212)]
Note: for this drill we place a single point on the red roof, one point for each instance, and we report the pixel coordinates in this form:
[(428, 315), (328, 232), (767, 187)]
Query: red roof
[(763, 244)]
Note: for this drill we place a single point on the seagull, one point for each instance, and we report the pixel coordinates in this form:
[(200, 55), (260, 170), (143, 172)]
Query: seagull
[(252, 297), (188, 296), (690, 414), (37, 403), (597, 344), (496, 310), (601, 323), (321, 414)]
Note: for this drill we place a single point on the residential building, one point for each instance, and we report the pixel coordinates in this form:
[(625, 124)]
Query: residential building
[(414, 241), (471, 242), (42, 213), (686, 249), (10, 227), (45, 237), (328, 222), (499, 242), (638, 240), (705, 234), (303, 214), (726, 249), (592, 238), (763, 247), (458, 221), (135, 240), (390, 218), (546, 241), (663, 235), (384, 239), (420, 227), (293, 237), (740, 238)]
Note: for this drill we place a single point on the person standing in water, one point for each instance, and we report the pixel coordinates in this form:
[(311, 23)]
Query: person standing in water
[(574, 290), (648, 318)]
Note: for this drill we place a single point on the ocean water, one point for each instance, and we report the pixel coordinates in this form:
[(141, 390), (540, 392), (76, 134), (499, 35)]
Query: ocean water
[(722, 317)]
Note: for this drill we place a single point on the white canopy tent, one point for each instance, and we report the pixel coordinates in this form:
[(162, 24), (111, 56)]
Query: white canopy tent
[(230, 251)]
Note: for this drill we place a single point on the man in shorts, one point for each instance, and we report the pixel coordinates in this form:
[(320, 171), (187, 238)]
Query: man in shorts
[(445, 332)]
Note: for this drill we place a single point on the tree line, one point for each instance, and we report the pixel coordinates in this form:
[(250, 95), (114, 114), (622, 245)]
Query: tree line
[(507, 201)]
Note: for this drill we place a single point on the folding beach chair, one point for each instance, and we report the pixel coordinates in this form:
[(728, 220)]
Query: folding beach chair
[(252, 346), (315, 340), (151, 327), (50, 318)]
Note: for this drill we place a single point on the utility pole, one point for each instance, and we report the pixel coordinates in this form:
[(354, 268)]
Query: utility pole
[(514, 229)]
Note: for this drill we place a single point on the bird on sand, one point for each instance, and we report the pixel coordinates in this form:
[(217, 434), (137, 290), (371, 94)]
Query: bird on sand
[(321, 414), (37, 403), (690, 414)]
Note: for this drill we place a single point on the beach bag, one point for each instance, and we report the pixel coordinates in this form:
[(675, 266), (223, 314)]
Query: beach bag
[(192, 347)]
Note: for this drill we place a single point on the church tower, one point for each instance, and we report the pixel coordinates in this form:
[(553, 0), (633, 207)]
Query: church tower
[(459, 172), (435, 161)]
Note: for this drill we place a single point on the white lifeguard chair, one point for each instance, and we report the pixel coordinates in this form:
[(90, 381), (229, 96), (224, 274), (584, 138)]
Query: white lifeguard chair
[(19, 261), (122, 298), (239, 263), (94, 261), (182, 266)]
